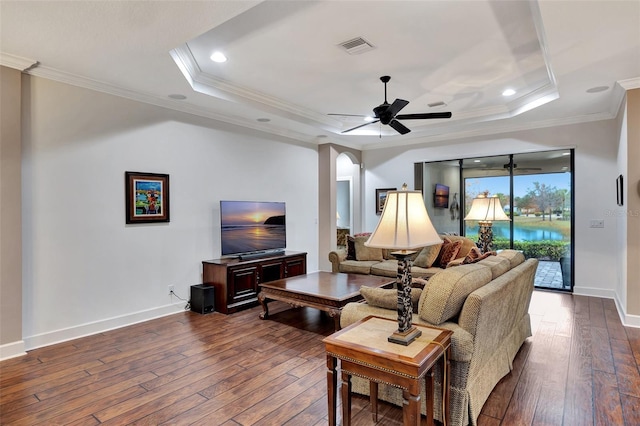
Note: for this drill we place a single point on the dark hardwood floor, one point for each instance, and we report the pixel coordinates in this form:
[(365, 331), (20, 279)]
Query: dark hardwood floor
[(579, 368)]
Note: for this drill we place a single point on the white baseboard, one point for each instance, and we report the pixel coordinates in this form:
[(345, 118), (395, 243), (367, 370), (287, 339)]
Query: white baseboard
[(63, 335), (12, 350), (626, 319), (594, 292)]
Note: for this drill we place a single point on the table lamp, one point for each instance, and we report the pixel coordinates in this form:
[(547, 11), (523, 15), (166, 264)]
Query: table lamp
[(486, 210), (404, 225)]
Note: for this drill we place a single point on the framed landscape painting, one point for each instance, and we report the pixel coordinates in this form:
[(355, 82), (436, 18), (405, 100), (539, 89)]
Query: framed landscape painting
[(381, 198), (147, 197)]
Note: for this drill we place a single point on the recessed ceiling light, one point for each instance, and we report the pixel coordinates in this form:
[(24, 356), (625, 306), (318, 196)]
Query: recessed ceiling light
[(509, 92), (178, 96), (263, 120), (597, 89), (368, 118), (218, 57), (436, 104)]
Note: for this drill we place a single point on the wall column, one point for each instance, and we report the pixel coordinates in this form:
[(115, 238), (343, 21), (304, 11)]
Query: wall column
[(327, 176), (632, 202), (11, 343)]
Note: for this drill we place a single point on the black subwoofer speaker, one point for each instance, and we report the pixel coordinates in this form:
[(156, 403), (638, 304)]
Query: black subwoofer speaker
[(202, 298)]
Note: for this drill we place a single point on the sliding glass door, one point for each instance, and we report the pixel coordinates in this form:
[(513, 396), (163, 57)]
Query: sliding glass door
[(542, 225), (535, 191)]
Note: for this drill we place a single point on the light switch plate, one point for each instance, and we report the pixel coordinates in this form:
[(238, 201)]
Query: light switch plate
[(597, 224)]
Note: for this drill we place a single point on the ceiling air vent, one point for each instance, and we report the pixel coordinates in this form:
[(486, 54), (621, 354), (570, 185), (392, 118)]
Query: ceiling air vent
[(436, 104), (356, 46)]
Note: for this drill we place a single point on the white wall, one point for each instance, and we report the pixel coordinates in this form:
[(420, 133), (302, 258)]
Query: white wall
[(619, 214), (446, 173), (595, 170), (84, 269)]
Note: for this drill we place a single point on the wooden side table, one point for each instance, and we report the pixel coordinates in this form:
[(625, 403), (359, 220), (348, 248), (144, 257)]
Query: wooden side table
[(363, 350)]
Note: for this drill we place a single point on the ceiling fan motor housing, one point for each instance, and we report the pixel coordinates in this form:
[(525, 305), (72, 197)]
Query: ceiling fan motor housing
[(380, 112)]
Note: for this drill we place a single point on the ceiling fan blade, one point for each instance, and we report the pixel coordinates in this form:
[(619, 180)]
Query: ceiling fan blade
[(362, 125), (424, 116), (396, 106), (348, 115), (399, 127)]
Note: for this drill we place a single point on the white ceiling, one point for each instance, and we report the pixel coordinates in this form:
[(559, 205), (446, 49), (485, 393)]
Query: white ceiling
[(285, 63)]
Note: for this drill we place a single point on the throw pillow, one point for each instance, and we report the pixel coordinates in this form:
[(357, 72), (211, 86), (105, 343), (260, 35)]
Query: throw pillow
[(367, 253), (448, 252), (427, 256), (447, 292), (386, 298)]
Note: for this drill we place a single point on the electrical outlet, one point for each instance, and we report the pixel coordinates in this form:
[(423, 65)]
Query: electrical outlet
[(171, 289), (597, 224)]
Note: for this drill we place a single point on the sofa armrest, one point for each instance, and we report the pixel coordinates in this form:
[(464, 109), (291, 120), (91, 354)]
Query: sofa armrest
[(335, 257)]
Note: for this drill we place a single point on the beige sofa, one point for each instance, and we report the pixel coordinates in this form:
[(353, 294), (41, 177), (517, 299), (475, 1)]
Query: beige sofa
[(486, 305), (381, 262)]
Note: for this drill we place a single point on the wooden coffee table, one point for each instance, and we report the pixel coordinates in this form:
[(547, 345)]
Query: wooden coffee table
[(326, 291)]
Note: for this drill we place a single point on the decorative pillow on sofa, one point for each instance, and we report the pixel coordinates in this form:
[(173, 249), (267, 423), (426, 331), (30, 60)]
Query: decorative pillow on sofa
[(387, 298), (447, 291), (448, 252), (427, 256), (366, 253)]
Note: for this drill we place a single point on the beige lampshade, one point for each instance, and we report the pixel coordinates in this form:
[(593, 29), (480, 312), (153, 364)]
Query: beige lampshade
[(486, 209), (404, 223)]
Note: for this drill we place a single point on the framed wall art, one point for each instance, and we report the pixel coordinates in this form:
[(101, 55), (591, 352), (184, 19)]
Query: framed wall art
[(381, 198), (147, 197), (441, 196)]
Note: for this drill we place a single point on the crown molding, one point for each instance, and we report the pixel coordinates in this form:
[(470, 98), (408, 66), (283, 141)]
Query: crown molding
[(176, 105), (220, 88), (491, 130), (445, 133), (16, 62), (630, 84)]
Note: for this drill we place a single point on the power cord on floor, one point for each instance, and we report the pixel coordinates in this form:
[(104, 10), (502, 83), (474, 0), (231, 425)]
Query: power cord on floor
[(187, 306)]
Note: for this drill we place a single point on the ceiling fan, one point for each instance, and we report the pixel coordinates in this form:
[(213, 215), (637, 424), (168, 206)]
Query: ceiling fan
[(505, 168), (387, 113)]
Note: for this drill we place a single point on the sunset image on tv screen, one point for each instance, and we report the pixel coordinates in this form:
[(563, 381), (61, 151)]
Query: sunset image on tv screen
[(251, 226)]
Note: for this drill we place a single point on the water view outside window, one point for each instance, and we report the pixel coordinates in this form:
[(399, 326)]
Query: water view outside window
[(540, 209)]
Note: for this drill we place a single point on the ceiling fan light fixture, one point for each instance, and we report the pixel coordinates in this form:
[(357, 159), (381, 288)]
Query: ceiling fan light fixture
[(368, 118), (218, 57)]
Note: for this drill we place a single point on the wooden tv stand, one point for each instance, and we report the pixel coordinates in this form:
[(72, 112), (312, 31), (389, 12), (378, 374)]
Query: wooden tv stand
[(236, 281)]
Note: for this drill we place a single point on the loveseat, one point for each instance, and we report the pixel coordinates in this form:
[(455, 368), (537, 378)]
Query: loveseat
[(486, 306), (356, 258)]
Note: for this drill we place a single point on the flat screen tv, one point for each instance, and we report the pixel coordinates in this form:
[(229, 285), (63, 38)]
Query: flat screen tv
[(252, 227), (441, 196)]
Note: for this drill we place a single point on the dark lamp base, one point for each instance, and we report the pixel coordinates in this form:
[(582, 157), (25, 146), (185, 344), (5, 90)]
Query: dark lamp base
[(405, 337)]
